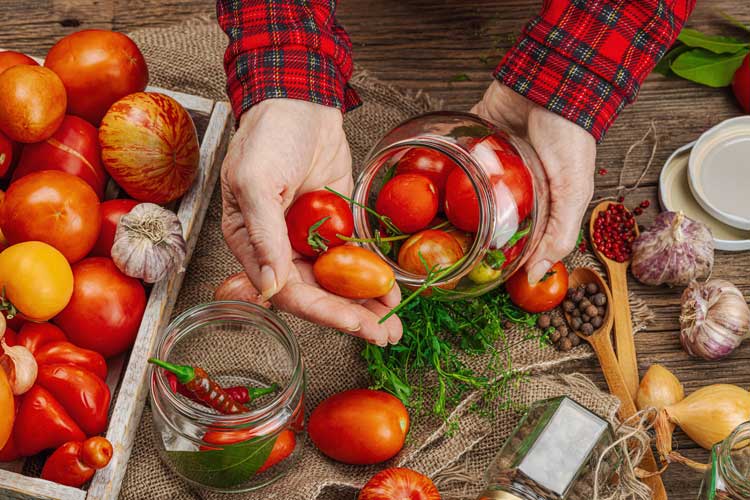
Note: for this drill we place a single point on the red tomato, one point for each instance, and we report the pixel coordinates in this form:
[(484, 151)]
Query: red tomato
[(150, 147), (353, 272), (438, 249), (112, 210), (512, 172), (284, 445), (106, 308), (461, 202), (9, 58), (34, 335), (409, 200), (311, 208), (98, 67), (32, 103), (73, 148), (399, 484), (741, 84), (432, 164), (360, 426), (53, 207), (6, 153), (542, 296)]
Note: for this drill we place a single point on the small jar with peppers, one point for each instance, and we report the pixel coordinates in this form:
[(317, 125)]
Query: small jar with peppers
[(453, 203), (227, 397)]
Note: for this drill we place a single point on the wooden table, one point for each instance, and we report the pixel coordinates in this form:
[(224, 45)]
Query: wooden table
[(425, 44)]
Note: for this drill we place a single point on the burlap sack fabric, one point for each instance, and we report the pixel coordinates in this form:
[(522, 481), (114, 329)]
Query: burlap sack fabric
[(188, 58)]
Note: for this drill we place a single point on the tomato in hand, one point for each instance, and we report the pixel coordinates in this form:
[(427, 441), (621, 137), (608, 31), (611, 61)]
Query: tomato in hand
[(353, 272), (410, 201), (399, 484), (461, 202), (10, 58), (438, 249), (431, 163), (53, 207), (741, 84), (309, 210), (32, 103), (359, 427), (106, 308), (542, 296), (112, 211)]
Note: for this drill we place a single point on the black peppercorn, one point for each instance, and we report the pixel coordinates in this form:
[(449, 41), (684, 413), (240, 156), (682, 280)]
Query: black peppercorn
[(576, 313), (574, 339), (587, 329), (557, 321), (592, 311), (602, 310), (596, 322), (563, 330), (578, 295), (555, 336), (591, 288), (571, 292), (575, 323), (568, 306), (599, 299), (585, 317), (565, 344), (584, 304), (543, 322)]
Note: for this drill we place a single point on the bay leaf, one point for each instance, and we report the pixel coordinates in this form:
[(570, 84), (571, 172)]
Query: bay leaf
[(714, 43), (663, 67), (707, 68)]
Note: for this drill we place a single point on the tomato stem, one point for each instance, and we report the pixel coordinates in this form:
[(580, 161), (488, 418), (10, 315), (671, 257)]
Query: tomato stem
[(389, 238), (382, 218), (314, 238)]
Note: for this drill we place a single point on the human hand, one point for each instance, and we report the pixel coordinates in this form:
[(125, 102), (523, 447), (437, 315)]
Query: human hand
[(283, 148), (567, 153)]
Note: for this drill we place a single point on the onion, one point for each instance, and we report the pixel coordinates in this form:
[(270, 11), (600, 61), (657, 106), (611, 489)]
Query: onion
[(674, 251), (659, 388)]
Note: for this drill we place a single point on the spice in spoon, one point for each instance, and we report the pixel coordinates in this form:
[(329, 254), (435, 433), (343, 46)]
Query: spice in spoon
[(241, 394), (205, 389)]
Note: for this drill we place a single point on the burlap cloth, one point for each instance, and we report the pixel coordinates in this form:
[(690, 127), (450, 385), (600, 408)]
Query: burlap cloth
[(188, 58)]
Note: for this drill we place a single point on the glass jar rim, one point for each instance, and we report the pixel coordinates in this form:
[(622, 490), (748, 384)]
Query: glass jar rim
[(205, 416), (727, 467)]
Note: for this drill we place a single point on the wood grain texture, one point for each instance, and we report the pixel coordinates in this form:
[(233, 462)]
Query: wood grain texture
[(423, 44)]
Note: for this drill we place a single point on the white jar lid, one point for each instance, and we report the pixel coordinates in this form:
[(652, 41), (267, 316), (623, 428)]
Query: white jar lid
[(675, 195)]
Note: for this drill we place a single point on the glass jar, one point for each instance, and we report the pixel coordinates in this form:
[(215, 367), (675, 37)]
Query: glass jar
[(729, 475), (238, 344), (552, 454), (497, 202)]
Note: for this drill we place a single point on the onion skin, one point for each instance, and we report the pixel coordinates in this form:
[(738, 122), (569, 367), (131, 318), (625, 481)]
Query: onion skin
[(674, 251), (659, 388), (239, 287)]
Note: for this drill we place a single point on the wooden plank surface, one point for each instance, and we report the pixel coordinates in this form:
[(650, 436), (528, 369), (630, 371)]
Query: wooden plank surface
[(423, 44)]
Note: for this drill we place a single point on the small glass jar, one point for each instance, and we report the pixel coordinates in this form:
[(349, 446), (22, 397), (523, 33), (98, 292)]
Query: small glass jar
[(503, 222), (729, 475), (238, 344), (552, 454)]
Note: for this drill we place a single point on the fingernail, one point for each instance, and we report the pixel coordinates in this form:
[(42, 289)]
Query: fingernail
[(354, 329), (383, 343), (538, 271), (268, 283)]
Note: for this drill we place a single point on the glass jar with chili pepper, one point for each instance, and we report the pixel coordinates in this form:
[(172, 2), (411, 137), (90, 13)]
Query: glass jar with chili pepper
[(227, 397), (452, 202)]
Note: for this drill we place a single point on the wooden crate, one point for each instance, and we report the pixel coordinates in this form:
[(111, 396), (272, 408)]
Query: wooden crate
[(127, 374)]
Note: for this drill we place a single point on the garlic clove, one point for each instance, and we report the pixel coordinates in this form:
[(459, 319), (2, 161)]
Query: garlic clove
[(239, 287), (20, 365)]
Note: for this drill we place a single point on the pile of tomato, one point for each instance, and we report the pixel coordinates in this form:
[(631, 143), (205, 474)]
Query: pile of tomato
[(66, 128)]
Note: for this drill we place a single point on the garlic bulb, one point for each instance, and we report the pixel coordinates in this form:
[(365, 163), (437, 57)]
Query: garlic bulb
[(20, 365), (674, 251), (714, 319), (148, 243)]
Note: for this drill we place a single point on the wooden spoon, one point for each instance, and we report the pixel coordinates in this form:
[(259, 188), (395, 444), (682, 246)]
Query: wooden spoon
[(618, 277), (602, 344)]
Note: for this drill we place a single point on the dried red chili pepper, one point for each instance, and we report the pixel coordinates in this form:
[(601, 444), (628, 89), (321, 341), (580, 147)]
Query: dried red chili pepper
[(75, 462), (241, 394), (197, 381)]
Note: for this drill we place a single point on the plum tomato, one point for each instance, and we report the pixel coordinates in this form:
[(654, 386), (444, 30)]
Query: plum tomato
[(112, 210), (461, 202), (353, 272), (438, 249), (283, 447), (6, 154), (54, 207), (359, 426), (410, 201), (548, 293), (309, 210), (10, 58), (741, 84), (32, 103), (431, 163), (397, 484)]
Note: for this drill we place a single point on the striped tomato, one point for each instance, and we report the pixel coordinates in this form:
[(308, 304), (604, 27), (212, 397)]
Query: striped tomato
[(150, 147)]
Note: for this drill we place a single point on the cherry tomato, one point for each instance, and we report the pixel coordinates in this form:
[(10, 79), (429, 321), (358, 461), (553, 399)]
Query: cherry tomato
[(542, 296), (6, 153), (7, 409), (53, 207), (461, 202), (112, 210), (283, 447), (741, 84), (437, 248), (464, 239), (106, 308), (398, 483), (353, 272), (9, 58), (307, 211), (32, 103), (98, 67), (512, 172), (37, 279), (431, 163), (484, 273), (409, 200), (360, 426)]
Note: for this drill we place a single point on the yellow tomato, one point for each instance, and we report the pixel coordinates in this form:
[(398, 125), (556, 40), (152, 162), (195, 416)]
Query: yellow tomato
[(37, 279), (7, 410), (483, 273)]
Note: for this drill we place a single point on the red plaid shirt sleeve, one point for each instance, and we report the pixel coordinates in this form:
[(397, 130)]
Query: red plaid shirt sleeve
[(285, 48), (585, 59)]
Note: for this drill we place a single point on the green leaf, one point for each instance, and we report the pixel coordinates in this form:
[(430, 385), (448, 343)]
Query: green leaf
[(230, 466), (734, 21), (664, 65), (463, 77), (714, 43), (707, 68)]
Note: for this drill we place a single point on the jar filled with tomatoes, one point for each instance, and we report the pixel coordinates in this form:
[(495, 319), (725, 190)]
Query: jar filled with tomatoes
[(452, 202), (227, 397)]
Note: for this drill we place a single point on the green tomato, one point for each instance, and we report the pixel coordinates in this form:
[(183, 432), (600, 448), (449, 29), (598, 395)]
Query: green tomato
[(484, 273)]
